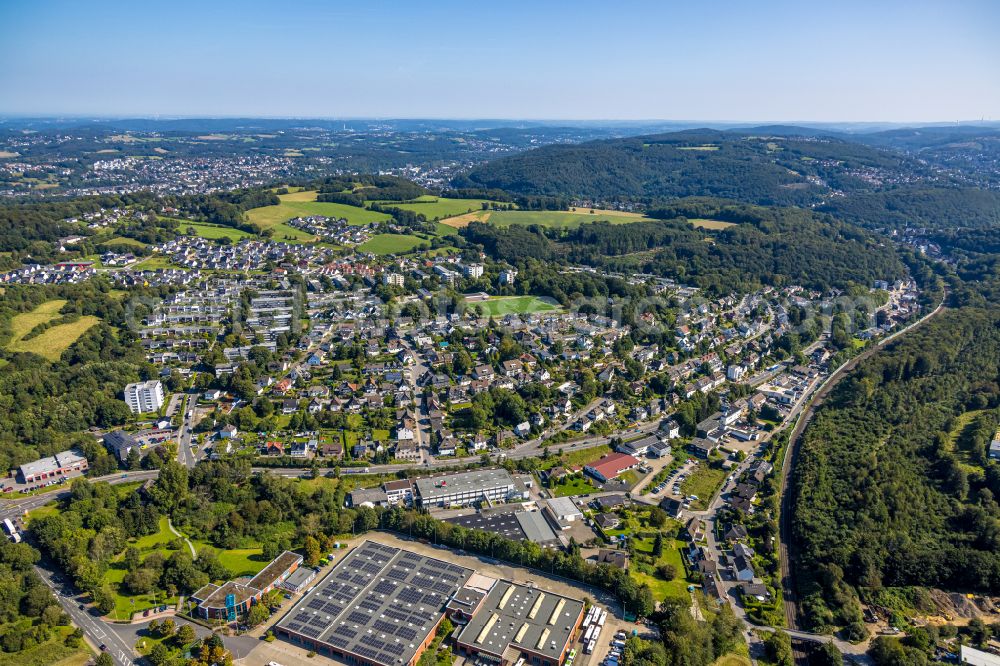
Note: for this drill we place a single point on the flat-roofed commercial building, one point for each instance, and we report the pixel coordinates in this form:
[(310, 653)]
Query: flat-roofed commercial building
[(380, 606), (233, 598), (62, 465), (515, 622), (465, 488)]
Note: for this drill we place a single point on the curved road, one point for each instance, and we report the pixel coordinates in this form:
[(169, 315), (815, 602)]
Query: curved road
[(788, 464)]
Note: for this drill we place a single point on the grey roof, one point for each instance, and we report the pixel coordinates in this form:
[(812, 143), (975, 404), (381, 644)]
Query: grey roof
[(464, 482), (525, 617), (379, 603), (300, 577), (374, 495), (564, 506), (535, 527), (503, 523), (119, 443)]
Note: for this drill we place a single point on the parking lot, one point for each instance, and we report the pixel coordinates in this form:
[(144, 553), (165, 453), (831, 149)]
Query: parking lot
[(671, 486)]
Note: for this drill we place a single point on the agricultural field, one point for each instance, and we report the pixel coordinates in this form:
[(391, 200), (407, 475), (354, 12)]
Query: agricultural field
[(298, 204), (390, 244), (437, 208), (557, 219), (716, 225), (497, 306), (53, 342)]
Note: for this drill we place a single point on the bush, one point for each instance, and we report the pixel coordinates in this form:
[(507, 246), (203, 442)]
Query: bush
[(666, 571)]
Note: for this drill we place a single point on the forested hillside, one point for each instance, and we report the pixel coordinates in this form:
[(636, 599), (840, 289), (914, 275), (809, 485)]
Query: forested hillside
[(893, 486), (47, 407), (772, 246), (933, 208), (757, 168)]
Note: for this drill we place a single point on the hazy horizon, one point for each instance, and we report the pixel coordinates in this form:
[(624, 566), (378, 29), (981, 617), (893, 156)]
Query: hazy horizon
[(899, 62)]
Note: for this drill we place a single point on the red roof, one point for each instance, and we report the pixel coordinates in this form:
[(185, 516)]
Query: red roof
[(614, 464)]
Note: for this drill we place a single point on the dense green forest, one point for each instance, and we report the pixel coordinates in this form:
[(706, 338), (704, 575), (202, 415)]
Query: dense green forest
[(748, 167), (49, 406), (937, 209), (772, 246), (893, 486)]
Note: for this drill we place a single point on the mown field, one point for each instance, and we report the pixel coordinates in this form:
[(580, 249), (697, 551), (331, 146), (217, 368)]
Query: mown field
[(559, 219), (53, 342), (437, 208), (700, 223), (298, 204), (390, 244), (503, 305), (210, 231)]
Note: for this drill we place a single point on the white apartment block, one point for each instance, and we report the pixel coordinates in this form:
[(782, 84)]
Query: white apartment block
[(144, 396)]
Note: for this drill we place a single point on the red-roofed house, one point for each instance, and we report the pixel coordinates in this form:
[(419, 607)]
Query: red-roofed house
[(610, 466)]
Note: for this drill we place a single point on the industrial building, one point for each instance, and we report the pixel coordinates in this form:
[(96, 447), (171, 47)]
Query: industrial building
[(465, 488), (514, 622), (380, 606), (610, 466)]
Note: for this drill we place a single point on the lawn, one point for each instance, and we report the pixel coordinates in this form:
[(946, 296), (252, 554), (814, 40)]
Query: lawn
[(122, 240), (304, 203), (676, 588), (157, 540), (391, 244), (211, 231), (242, 561), (571, 458), (703, 482), (702, 223), (153, 263), (54, 341), (502, 305), (575, 485), (435, 208)]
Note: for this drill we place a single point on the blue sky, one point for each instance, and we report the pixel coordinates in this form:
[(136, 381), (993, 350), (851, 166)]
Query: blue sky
[(752, 60)]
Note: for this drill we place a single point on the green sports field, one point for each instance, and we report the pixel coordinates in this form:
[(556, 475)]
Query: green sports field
[(299, 204), (390, 244), (502, 305)]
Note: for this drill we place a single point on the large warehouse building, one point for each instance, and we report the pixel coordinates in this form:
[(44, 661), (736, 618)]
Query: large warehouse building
[(465, 488), (381, 606), (514, 622)]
